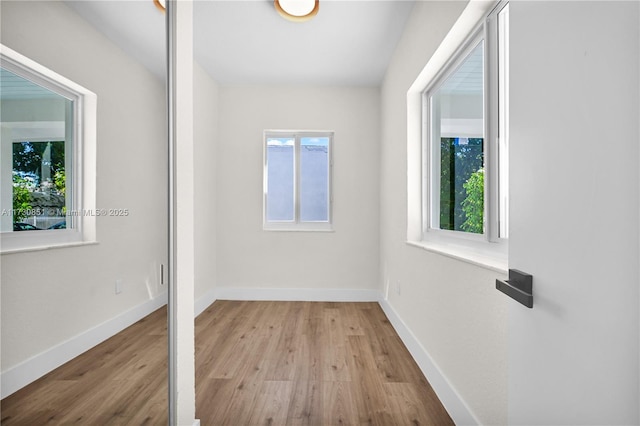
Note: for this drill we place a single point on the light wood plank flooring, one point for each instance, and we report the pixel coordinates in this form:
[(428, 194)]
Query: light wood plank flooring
[(257, 363), (123, 380)]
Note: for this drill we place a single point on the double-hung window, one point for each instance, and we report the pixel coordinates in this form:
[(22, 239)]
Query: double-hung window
[(297, 180), (47, 157), (465, 141)]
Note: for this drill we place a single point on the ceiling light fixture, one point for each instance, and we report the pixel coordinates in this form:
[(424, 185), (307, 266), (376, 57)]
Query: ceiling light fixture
[(160, 4), (297, 10)]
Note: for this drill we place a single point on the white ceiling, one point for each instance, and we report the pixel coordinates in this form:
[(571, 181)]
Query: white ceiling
[(247, 42)]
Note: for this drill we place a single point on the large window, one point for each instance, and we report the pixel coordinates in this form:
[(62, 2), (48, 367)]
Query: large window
[(465, 139), (456, 139), (40, 149), (297, 180), (47, 136)]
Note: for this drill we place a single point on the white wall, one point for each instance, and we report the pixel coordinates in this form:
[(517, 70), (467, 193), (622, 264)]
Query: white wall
[(53, 295), (573, 358), (249, 257), (451, 307)]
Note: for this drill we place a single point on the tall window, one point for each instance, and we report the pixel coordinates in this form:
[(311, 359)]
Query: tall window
[(45, 121), (297, 180), (456, 121), (38, 138), (466, 139)]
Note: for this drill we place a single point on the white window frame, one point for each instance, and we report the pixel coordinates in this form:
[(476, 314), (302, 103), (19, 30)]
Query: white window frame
[(489, 249), (431, 148), (296, 224), (81, 210)]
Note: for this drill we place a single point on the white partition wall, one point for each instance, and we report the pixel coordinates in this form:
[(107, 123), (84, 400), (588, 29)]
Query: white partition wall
[(181, 292)]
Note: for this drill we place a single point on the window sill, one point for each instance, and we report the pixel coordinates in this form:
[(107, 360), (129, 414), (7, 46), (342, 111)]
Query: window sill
[(47, 247), (485, 259), (276, 229), (298, 226)]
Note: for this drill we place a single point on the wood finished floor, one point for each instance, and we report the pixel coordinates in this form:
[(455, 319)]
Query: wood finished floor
[(123, 380), (257, 363)]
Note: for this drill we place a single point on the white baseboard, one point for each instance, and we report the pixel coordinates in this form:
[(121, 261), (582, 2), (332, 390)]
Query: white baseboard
[(460, 413), (32, 369), (298, 294), (284, 294), (204, 301)]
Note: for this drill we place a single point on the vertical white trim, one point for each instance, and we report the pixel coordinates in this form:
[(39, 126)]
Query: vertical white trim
[(181, 211), (171, 266)]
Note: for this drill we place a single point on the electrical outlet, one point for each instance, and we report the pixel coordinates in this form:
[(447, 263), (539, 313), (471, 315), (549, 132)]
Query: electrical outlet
[(118, 286), (397, 287)]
